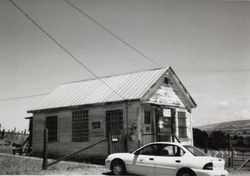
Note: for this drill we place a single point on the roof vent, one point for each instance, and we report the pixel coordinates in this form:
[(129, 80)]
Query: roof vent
[(167, 81)]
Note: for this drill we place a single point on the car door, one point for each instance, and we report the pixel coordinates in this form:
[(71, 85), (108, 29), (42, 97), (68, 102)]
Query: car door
[(168, 159), (143, 162)]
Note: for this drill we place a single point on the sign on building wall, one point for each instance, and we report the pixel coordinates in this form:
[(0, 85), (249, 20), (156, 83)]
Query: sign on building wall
[(167, 112)]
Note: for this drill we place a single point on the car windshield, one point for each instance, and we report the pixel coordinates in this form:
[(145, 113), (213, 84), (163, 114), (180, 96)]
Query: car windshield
[(195, 151)]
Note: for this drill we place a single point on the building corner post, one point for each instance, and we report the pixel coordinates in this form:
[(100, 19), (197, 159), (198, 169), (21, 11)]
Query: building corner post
[(45, 150)]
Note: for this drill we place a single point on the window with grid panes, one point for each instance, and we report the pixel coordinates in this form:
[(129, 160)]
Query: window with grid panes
[(147, 118), (80, 126), (182, 124), (114, 122), (51, 125)]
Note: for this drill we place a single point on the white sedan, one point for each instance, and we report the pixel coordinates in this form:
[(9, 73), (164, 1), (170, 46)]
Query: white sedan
[(168, 159)]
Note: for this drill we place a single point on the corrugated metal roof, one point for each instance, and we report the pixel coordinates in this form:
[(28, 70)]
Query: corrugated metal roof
[(130, 86)]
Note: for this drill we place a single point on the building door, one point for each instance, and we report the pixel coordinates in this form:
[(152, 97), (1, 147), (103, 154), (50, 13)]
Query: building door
[(165, 124), (114, 131)]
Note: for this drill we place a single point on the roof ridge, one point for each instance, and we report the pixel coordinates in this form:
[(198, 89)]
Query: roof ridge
[(114, 75)]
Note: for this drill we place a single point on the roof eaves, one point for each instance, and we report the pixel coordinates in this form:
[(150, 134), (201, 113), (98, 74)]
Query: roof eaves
[(189, 97), (152, 86), (84, 105)]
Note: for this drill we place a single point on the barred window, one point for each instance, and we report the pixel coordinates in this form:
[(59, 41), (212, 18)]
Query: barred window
[(147, 118), (114, 122), (80, 126), (51, 125), (182, 124)]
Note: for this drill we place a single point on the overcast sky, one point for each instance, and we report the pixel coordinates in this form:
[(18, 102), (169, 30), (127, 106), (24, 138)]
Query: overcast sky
[(206, 42)]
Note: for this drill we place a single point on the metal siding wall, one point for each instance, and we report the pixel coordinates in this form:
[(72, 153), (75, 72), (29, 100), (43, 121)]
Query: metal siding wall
[(65, 144)]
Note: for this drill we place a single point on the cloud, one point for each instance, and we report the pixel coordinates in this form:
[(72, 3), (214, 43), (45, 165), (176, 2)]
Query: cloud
[(244, 114), (223, 105), (248, 102)]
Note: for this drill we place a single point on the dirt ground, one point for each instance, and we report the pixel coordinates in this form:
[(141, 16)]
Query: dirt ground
[(73, 171), (238, 173), (102, 171), (16, 165)]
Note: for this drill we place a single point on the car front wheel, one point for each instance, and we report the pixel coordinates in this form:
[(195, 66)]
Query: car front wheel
[(118, 168)]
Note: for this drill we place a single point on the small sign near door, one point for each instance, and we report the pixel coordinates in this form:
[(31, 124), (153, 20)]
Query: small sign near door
[(167, 112), (114, 139)]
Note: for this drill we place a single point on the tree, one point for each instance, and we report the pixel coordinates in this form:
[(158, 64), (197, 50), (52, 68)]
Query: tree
[(200, 138), (217, 140)]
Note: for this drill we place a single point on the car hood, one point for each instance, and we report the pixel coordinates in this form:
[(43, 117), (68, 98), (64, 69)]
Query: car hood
[(123, 156)]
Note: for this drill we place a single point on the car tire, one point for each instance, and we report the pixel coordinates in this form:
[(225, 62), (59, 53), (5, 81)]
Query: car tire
[(118, 168), (186, 173)]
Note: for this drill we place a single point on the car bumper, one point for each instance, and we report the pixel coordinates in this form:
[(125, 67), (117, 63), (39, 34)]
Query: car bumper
[(107, 163), (211, 172)]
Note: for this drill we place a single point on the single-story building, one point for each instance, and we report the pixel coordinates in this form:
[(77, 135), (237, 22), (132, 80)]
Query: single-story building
[(130, 110)]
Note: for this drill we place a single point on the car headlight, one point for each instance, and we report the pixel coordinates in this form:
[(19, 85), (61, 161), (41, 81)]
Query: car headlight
[(208, 166)]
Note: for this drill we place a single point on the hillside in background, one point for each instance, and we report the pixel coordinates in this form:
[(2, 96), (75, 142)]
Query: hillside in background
[(239, 127)]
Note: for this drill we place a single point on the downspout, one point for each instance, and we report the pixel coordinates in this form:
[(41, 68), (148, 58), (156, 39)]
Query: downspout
[(127, 130), (173, 124)]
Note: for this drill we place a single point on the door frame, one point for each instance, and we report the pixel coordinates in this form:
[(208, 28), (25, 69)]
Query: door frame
[(158, 114)]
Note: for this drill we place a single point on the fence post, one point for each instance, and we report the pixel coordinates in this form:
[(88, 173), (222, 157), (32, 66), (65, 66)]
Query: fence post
[(45, 147), (229, 149), (232, 157), (109, 142), (243, 155), (206, 145)]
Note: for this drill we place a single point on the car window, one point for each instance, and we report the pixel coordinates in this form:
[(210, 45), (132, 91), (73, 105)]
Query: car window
[(148, 150), (195, 151), (169, 150)]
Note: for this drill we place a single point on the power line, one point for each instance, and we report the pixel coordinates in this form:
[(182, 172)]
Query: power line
[(63, 48), (23, 97), (216, 70), (113, 34)]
